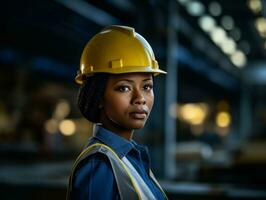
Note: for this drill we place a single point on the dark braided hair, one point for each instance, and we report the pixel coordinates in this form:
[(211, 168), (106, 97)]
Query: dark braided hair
[(90, 95)]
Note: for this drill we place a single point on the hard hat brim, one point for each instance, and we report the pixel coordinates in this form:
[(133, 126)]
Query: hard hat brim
[(81, 76)]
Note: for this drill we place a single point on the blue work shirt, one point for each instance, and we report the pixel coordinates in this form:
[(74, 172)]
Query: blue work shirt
[(94, 178)]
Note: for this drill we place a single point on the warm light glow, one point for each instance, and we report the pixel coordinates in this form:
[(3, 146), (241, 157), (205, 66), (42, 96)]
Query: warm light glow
[(207, 23), (223, 119), (51, 126), (218, 35), (238, 59), (193, 113), (228, 46), (260, 24), (67, 127), (62, 110), (255, 6), (195, 8)]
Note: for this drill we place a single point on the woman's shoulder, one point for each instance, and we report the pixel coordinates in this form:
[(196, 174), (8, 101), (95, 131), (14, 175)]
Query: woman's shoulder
[(94, 166), (92, 159), (88, 178)]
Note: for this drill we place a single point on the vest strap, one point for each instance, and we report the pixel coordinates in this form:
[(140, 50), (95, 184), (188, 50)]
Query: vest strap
[(126, 186), (157, 183)]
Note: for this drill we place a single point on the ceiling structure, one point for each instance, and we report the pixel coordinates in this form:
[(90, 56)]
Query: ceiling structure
[(236, 28), (49, 35)]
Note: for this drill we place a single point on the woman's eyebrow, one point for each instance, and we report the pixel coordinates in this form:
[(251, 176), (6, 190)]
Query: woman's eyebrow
[(147, 79), (132, 81), (127, 80)]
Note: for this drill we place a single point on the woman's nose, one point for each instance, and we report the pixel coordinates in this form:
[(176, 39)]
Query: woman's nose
[(138, 98)]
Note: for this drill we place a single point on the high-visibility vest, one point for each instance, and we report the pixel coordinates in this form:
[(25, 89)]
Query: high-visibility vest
[(130, 184)]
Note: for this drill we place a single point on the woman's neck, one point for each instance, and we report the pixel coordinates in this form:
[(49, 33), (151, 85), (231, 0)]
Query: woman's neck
[(115, 128)]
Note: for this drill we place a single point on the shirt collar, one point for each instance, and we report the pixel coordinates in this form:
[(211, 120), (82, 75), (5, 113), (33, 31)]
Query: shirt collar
[(120, 145), (143, 151)]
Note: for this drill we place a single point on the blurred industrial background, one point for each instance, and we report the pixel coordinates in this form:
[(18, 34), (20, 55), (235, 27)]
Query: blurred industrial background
[(206, 133)]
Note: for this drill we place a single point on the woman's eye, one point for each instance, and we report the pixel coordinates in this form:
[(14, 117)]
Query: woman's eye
[(148, 87), (123, 88)]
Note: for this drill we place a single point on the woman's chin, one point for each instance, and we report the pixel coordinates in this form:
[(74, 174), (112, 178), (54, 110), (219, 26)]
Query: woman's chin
[(138, 125)]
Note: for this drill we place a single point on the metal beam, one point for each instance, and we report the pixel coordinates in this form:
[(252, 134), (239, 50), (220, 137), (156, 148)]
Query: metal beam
[(170, 94), (90, 12)]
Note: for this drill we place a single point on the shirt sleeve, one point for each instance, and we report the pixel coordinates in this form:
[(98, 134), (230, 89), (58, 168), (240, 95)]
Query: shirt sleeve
[(94, 179)]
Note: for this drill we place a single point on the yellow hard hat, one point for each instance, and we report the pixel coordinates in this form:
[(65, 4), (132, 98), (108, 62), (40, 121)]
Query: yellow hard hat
[(117, 50)]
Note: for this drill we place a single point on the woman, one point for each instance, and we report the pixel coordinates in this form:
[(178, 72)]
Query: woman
[(116, 93)]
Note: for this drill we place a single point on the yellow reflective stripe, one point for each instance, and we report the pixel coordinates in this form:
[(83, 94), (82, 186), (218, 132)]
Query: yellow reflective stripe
[(112, 151), (157, 183), (163, 193)]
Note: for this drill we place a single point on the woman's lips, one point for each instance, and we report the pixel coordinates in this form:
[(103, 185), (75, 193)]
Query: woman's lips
[(141, 114), (138, 115)]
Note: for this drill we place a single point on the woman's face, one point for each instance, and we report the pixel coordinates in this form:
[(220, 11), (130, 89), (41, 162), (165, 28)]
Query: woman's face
[(127, 101)]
